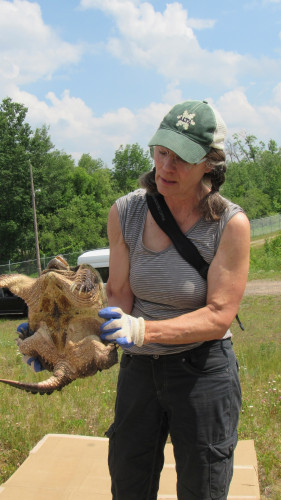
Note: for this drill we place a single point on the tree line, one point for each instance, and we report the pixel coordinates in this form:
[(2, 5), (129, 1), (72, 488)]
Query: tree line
[(73, 201)]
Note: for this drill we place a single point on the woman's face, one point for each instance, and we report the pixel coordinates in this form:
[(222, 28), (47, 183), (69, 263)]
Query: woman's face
[(174, 176)]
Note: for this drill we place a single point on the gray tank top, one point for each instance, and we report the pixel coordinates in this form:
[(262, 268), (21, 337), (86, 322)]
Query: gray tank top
[(163, 283)]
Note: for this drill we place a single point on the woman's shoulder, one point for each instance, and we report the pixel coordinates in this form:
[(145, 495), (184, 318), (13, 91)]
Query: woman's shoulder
[(132, 200), (132, 210), (230, 210), (138, 194)]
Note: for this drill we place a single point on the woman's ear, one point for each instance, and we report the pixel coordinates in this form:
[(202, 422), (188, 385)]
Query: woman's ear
[(208, 167)]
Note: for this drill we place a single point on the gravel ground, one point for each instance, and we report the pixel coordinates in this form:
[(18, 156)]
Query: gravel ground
[(263, 287)]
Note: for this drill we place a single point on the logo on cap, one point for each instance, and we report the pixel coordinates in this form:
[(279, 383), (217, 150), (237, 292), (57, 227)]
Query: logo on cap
[(185, 120)]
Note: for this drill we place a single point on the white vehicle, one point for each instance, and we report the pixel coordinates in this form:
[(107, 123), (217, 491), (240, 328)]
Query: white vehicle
[(99, 259)]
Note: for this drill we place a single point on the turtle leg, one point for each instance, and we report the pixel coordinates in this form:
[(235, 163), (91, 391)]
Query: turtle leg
[(41, 345), (90, 354)]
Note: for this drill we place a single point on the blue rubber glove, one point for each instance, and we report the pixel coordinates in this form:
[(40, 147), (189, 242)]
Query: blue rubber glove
[(34, 363), (121, 328), (23, 331)]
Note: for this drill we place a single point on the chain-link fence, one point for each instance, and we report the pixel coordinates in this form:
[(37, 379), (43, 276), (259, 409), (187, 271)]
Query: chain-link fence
[(266, 225), (29, 267)]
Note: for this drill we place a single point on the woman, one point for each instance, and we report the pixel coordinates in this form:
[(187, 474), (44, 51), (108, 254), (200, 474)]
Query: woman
[(178, 372)]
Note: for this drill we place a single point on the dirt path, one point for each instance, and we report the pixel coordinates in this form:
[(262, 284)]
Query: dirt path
[(260, 242), (263, 287)]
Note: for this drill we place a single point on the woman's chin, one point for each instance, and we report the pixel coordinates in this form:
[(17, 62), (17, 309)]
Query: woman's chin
[(165, 187)]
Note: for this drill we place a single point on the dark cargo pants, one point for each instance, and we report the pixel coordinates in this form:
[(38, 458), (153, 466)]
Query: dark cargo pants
[(194, 396)]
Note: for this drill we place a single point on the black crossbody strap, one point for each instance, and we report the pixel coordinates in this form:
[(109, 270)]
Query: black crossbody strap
[(164, 218), (162, 215)]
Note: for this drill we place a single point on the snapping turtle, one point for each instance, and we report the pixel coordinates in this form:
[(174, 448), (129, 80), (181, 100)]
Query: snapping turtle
[(63, 305)]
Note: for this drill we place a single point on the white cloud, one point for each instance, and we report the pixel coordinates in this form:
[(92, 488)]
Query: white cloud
[(201, 24), (30, 50), (75, 129), (277, 93), (166, 42), (263, 121), (236, 109)]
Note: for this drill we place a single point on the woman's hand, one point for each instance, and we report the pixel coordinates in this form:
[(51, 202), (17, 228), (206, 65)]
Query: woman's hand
[(34, 363), (24, 332), (121, 328)]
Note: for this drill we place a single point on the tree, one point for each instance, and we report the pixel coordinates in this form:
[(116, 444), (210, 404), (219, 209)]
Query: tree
[(244, 147), (51, 174), (129, 163), (270, 164), (79, 226), (90, 164), (81, 223), (253, 179), (15, 208), (255, 202), (53, 181)]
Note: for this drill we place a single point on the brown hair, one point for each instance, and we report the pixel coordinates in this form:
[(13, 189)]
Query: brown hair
[(212, 205)]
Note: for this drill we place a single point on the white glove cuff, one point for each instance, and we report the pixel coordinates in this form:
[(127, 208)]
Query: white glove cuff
[(140, 334)]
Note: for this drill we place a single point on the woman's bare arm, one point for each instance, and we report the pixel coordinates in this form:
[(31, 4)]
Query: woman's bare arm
[(118, 287), (227, 279)]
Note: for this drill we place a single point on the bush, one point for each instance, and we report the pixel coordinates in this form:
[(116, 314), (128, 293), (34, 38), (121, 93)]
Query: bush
[(266, 257)]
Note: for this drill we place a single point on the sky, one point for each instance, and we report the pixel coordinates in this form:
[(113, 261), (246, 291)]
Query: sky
[(103, 73)]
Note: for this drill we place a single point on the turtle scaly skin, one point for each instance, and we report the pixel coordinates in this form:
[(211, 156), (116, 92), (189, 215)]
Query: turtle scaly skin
[(63, 305)]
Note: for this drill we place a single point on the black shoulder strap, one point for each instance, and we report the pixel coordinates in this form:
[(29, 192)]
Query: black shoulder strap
[(164, 218), (162, 215)]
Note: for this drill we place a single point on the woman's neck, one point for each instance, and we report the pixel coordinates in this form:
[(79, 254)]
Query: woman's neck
[(186, 210), (189, 202)]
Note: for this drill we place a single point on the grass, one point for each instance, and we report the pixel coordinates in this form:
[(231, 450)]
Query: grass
[(258, 350), (264, 236), (265, 258), (271, 274)]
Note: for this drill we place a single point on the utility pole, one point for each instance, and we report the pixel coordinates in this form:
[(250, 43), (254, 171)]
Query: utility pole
[(35, 221)]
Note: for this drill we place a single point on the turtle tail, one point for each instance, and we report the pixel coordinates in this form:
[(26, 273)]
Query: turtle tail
[(56, 382)]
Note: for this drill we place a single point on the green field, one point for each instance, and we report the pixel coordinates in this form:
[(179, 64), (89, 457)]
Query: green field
[(259, 352), (86, 406)]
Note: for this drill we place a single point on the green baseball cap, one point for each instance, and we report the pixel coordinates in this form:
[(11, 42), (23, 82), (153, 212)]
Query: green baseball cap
[(191, 129)]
